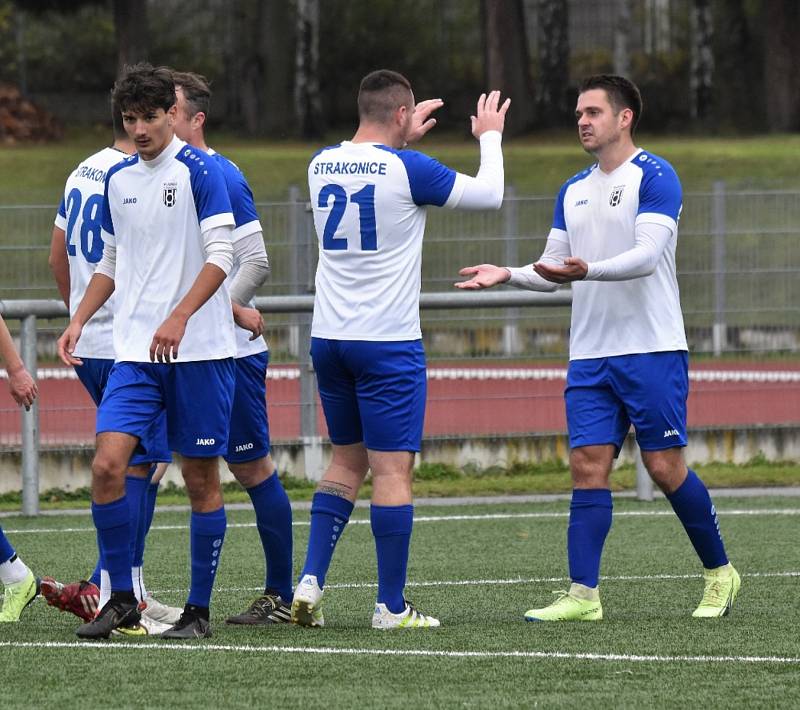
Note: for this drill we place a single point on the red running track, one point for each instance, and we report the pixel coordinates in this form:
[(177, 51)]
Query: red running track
[(461, 401)]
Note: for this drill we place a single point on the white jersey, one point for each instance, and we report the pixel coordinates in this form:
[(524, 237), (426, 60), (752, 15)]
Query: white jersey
[(154, 214), (80, 215), (247, 223), (596, 214), (369, 213)]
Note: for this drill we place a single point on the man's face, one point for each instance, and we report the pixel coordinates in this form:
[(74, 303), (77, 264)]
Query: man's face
[(598, 125), (151, 130), (183, 121)]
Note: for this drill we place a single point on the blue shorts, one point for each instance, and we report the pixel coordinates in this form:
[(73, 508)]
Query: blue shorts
[(195, 397), (93, 375), (249, 431), (604, 396), (372, 391)]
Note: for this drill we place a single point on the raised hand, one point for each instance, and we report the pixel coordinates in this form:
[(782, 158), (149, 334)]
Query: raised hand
[(489, 115), (421, 122)]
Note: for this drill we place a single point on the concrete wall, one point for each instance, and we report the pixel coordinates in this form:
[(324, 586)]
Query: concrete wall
[(69, 471)]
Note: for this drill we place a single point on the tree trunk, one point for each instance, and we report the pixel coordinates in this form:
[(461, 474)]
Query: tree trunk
[(507, 60), (622, 38), (781, 77), (737, 63), (307, 98), (701, 70), (130, 28), (258, 62), (553, 27)]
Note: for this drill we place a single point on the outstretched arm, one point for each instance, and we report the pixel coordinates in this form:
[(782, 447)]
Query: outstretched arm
[(650, 240), (487, 275)]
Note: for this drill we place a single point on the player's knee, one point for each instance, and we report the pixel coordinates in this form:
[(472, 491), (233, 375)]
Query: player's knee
[(107, 471), (251, 473), (588, 470)]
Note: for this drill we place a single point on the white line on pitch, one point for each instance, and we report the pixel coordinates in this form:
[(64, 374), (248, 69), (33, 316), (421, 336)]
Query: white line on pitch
[(449, 518), (423, 653), (494, 582)]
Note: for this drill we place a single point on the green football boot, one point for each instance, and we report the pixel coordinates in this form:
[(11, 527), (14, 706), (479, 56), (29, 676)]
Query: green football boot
[(580, 603), (722, 586), (18, 596)]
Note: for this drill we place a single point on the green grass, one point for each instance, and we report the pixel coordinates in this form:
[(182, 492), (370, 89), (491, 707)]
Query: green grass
[(435, 480), (647, 617), (535, 165)]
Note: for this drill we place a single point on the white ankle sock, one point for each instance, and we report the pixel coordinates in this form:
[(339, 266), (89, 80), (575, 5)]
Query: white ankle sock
[(13, 571), (105, 588)]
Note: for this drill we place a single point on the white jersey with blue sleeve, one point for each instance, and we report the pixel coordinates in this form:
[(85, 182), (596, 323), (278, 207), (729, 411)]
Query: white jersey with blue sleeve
[(369, 212), (596, 215), (246, 223), (155, 214), (79, 216)]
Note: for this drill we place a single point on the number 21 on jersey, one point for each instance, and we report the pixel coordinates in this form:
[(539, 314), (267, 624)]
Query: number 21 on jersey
[(365, 199)]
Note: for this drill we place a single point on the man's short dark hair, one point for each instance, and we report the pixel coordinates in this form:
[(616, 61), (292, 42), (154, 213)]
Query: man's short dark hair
[(381, 93), (622, 93), (142, 88), (195, 90)]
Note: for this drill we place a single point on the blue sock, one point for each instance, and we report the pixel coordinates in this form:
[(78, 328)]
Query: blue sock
[(150, 506), (694, 508), (113, 524), (391, 526), (136, 491), (207, 531), (95, 578), (329, 515), (6, 549), (274, 522), (589, 523)]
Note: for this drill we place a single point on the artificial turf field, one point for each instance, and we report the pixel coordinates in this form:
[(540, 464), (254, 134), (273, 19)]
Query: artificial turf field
[(476, 567)]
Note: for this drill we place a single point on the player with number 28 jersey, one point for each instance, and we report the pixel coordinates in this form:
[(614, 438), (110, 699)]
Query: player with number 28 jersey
[(79, 217)]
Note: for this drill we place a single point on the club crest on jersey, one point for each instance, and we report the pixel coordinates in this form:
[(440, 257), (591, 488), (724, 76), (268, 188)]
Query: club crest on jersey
[(616, 195), (170, 193)]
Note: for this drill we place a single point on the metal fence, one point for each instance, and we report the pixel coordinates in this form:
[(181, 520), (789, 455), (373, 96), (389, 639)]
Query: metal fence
[(738, 264), (495, 371)]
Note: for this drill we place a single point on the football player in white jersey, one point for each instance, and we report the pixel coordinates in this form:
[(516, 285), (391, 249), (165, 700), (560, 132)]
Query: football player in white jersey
[(614, 234), (248, 454), (167, 226), (369, 197), (76, 249), (20, 585)]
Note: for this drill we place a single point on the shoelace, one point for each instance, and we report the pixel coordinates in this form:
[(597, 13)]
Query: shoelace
[(714, 594), (263, 604)]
